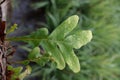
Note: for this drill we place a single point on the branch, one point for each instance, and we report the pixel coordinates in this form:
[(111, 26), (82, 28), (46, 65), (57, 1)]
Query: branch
[(2, 2)]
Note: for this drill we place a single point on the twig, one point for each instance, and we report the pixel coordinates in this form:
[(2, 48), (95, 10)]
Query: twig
[(2, 2), (3, 62)]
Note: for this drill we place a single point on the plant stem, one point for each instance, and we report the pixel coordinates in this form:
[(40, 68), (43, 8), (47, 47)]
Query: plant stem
[(3, 62)]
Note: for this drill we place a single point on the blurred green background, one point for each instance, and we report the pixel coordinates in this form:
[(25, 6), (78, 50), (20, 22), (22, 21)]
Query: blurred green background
[(100, 59)]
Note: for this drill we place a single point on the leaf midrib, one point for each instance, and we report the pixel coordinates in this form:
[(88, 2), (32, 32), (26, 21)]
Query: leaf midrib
[(35, 39)]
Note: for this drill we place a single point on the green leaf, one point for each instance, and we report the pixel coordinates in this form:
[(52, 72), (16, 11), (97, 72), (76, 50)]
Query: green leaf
[(42, 60), (26, 62), (60, 43), (39, 4), (25, 73), (79, 38), (34, 38), (35, 56), (64, 28), (35, 53), (12, 29), (16, 72), (55, 53), (70, 57)]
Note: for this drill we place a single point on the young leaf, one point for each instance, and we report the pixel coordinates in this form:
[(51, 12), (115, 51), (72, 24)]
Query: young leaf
[(35, 53), (16, 72), (25, 73), (70, 57), (64, 28), (42, 60), (36, 37), (79, 38), (12, 29), (50, 47), (60, 43), (34, 56)]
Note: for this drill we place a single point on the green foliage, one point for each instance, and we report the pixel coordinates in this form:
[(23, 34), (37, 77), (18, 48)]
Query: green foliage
[(64, 44), (35, 56), (35, 53), (36, 37), (16, 73), (98, 58), (39, 4), (25, 73), (12, 29), (59, 44)]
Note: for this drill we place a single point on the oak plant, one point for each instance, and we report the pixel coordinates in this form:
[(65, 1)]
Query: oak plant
[(56, 47)]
